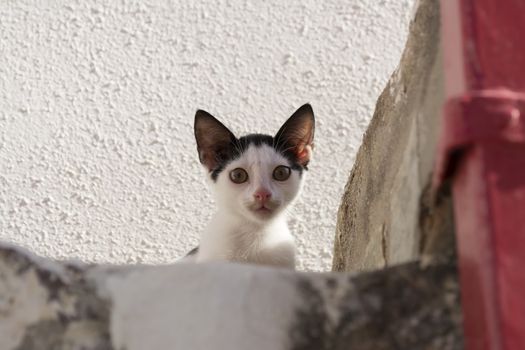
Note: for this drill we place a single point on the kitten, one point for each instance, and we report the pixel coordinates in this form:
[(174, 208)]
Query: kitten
[(254, 179)]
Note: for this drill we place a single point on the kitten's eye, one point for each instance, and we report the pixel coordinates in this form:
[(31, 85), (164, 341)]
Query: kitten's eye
[(281, 173), (238, 175)]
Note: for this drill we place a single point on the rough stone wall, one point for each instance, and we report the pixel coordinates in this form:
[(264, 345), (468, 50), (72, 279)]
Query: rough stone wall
[(388, 213), (47, 305)]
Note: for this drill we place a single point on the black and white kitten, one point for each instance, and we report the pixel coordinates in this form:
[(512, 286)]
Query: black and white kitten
[(254, 179)]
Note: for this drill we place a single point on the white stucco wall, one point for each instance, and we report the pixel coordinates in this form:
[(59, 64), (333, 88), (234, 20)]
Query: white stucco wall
[(97, 156)]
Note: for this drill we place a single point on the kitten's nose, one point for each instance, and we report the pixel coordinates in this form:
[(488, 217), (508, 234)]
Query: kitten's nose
[(262, 195)]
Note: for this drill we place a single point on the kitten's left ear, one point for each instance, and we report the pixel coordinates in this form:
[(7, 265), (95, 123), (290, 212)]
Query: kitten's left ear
[(297, 134), (214, 140)]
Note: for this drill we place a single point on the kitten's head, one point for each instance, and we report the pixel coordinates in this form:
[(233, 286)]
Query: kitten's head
[(256, 176)]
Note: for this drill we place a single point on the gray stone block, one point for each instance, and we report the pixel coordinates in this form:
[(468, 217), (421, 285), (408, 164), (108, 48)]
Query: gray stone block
[(50, 305)]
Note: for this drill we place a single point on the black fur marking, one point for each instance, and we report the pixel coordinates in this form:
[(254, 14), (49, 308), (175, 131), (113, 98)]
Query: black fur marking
[(256, 140), (240, 145)]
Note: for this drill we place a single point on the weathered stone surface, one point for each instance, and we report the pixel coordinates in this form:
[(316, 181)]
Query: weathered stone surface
[(403, 307), (438, 240), (381, 219), (46, 305)]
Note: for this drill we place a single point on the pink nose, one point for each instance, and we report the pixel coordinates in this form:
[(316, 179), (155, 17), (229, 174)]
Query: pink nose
[(262, 195)]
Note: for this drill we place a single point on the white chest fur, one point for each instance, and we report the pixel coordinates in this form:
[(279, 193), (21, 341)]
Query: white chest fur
[(230, 238)]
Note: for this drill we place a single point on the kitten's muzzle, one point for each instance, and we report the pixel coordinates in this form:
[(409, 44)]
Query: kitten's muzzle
[(269, 206), (262, 196)]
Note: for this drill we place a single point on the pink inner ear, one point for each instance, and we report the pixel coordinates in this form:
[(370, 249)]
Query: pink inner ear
[(303, 153)]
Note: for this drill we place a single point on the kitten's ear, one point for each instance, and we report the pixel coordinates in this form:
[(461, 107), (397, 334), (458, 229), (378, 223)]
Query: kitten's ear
[(214, 140), (297, 134)]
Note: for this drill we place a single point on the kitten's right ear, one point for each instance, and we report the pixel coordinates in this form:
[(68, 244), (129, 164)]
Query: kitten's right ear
[(214, 140), (297, 134)]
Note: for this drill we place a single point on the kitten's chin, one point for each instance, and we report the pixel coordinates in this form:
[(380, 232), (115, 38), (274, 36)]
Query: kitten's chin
[(263, 213)]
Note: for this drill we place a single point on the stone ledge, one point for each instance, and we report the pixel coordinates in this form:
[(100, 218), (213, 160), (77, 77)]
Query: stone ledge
[(51, 305)]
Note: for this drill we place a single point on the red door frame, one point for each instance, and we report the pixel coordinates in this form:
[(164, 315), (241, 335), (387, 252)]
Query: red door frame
[(482, 153)]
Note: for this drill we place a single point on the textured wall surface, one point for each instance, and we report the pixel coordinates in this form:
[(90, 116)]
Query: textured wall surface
[(97, 157)]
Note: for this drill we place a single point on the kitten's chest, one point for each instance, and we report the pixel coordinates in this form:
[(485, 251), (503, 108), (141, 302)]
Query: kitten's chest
[(275, 248), (249, 241), (273, 245), (247, 245)]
